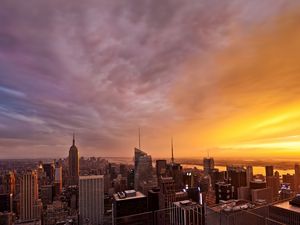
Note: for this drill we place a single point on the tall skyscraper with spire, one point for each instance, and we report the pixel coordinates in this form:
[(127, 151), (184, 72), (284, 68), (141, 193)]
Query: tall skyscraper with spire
[(174, 170), (172, 149), (73, 164)]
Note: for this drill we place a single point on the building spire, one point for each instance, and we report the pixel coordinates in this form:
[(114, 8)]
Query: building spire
[(172, 149), (139, 139), (73, 138)]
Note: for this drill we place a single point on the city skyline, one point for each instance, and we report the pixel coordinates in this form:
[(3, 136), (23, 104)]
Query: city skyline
[(227, 84)]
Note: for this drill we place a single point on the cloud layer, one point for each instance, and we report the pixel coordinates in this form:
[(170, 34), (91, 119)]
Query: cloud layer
[(102, 69)]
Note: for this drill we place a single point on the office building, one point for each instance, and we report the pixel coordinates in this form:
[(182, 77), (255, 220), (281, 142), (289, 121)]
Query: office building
[(128, 208), (8, 183), (174, 170), (258, 184), (47, 194), (73, 164), (186, 213), (167, 192), (273, 182), (269, 171), (237, 177), (249, 174), (91, 199), (142, 168), (49, 170), (285, 213), (161, 166), (244, 193), (30, 204), (290, 179), (264, 194), (130, 179), (297, 178), (7, 218), (58, 179), (223, 192), (153, 199), (208, 165), (6, 202)]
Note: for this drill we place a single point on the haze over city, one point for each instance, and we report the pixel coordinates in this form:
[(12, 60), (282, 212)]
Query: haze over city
[(222, 76)]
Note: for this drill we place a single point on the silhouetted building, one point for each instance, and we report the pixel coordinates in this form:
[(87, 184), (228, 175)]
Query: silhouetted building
[(174, 170), (223, 192), (142, 168), (290, 179), (126, 205), (249, 174), (130, 179), (73, 164), (297, 178), (161, 166), (58, 182), (153, 199), (269, 171), (5, 202), (257, 184), (237, 177), (273, 182), (167, 192), (7, 218), (194, 194), (208, 165), (49, 169), (47, 194)]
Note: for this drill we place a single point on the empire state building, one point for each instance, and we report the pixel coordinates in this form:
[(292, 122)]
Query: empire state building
[(73, 164)]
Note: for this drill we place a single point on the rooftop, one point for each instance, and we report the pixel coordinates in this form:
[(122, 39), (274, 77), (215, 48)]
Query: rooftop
[(286, 205), (137, 195), (90, 177)]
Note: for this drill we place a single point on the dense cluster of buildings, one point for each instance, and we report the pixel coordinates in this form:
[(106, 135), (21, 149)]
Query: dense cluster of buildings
[(93, 191)]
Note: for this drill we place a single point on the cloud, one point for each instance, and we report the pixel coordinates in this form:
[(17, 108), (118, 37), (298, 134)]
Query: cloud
[(103, 69), (246, 94)]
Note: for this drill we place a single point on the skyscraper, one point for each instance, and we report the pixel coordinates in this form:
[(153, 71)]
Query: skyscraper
[(142, 168), (8, 183), (73, 164), (91, 199), (30, 205), (129, 208), (297, 178), (174, 170), (186, 213), (49, 169), (161, 166), (269, 171), (208, 165), (58, 179), (237, 177), (249, 174)]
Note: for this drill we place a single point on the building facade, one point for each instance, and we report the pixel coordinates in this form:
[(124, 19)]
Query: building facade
[(91, 199)]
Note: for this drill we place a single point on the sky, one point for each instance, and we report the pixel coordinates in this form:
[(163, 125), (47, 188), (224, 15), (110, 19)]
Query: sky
[(220, 77)]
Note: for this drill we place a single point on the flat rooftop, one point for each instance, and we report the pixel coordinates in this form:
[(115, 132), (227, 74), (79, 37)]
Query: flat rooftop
[(286, 205), (138, 195), (90, 177)]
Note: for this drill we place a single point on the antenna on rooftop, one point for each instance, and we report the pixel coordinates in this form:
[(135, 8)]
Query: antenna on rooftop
[(139, 138)]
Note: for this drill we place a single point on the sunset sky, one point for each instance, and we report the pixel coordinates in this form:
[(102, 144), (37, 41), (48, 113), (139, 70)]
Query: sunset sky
[(218, 76)]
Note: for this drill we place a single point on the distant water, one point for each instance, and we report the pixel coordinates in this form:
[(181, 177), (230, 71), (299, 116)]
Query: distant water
[(256, 169)]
